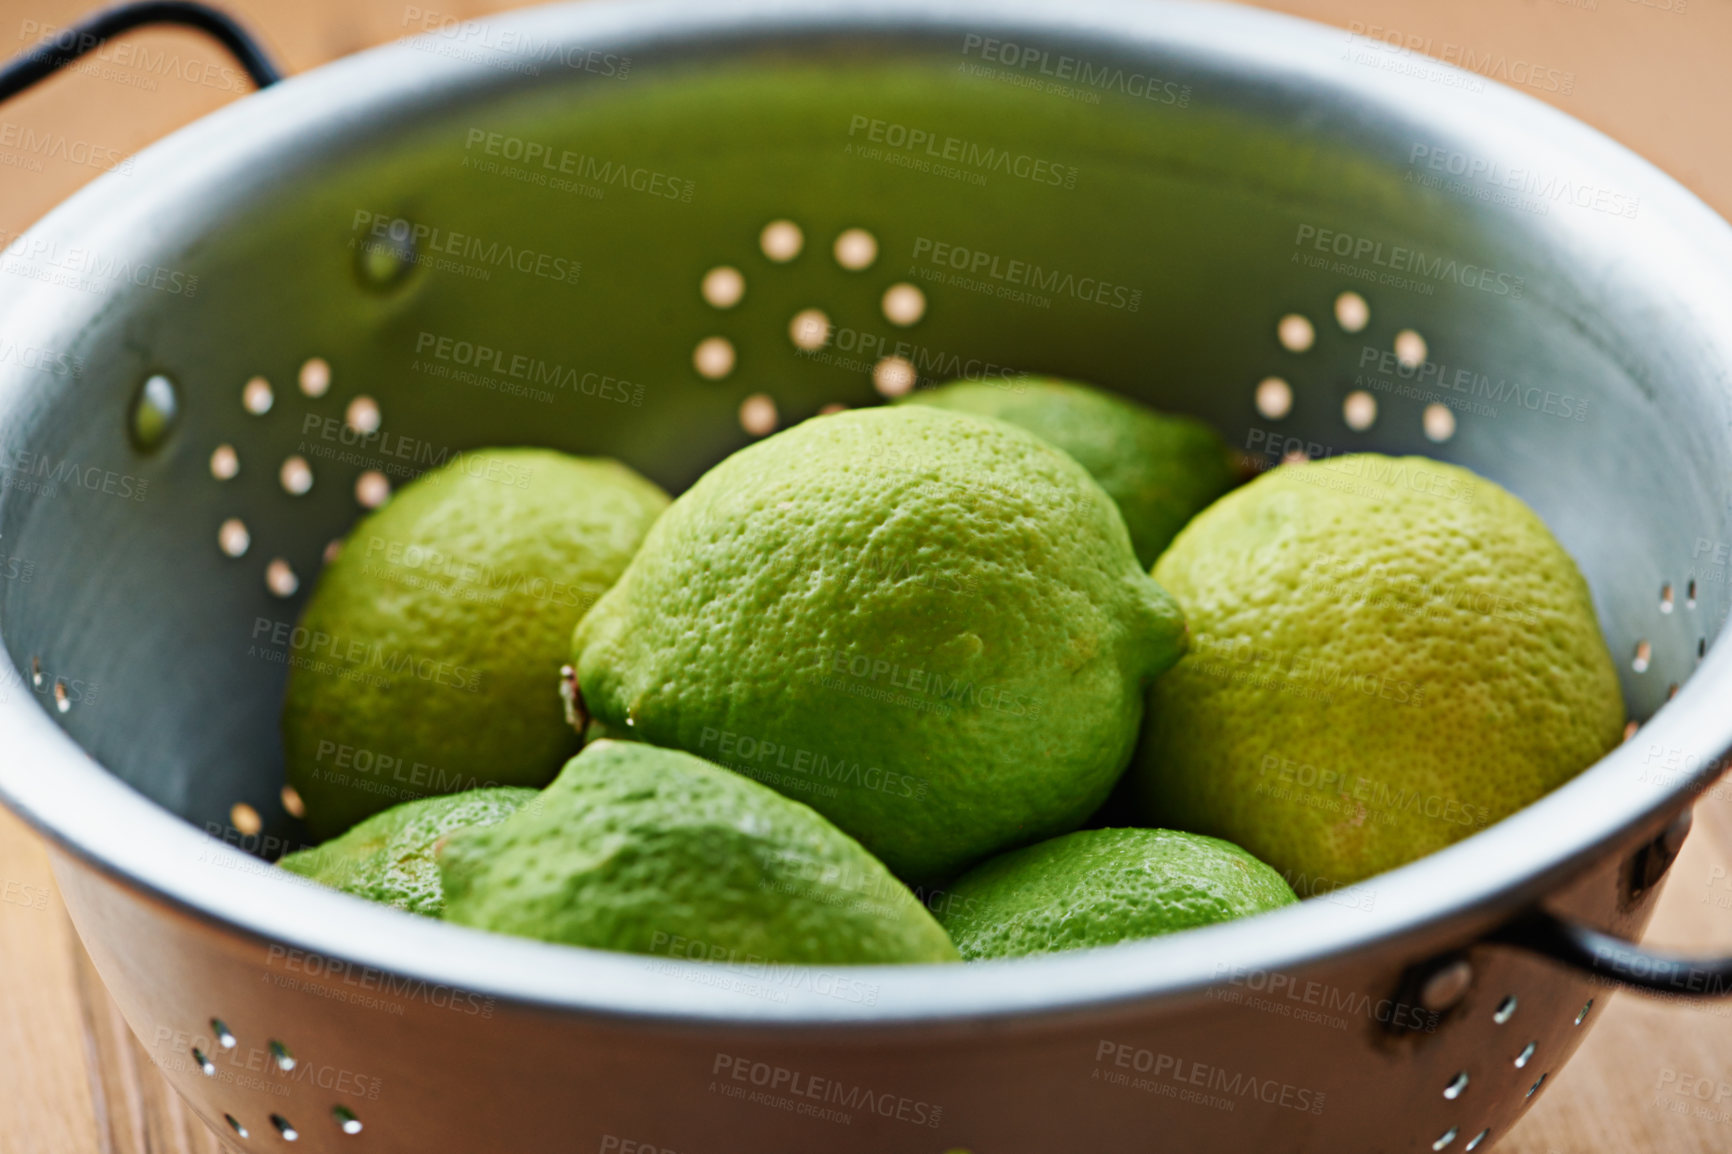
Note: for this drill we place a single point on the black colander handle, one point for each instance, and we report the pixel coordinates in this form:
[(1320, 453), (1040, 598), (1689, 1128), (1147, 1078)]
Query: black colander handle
[(1440, 982), (68, 45), (1612, 959)]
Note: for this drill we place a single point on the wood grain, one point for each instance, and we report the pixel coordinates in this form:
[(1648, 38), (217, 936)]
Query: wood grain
[(51, 1104), (1653, 1077)]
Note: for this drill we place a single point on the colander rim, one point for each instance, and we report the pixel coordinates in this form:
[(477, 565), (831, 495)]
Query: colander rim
[(94, 818)]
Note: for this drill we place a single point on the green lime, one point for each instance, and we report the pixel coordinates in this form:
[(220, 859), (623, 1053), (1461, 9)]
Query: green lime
[(652, 851), (389, 857), (1388, 654), (1160, 469), (427, 659), (929, 627), (1100, 886)]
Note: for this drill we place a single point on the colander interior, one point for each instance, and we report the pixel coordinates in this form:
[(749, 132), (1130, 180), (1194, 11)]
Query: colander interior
[(344, 298)]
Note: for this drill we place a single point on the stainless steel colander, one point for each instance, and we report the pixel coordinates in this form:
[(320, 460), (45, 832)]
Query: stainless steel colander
[(499, 232)]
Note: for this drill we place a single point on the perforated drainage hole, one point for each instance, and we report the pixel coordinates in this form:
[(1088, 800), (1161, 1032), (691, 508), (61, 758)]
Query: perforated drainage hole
[(1438, 422), (1274, 398), (280, 578), (346, 1119), (204, 1064), (285, 1128), (1359, 410), (233, 538), (1535, 1088), (781, 240), (384, 259), (280, 1055), (1582, 1014), (234, 1125), (257, 397), (810, 329), (245, 818), (224, 1036), (154, 412), (1527, 1055), (903, 304), (1644, 651), (893, 376), (1351, 312), (723, 286), (36, 672), (1505, 1010), (713, 358), (1478, 1139), (315, 377), (1295, 333), (1448, 1137), (1666, 598), (1410, 348), (224, 463), (856, 249), (758, 415), (1701, 647), (363, 415), (292, 802), (1690, 594), (1456, 1085), (372, 489), (296, 475), (61, 701)]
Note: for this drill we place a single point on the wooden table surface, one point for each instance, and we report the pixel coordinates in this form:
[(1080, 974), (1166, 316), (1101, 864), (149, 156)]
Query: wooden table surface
[(1653, 1077)]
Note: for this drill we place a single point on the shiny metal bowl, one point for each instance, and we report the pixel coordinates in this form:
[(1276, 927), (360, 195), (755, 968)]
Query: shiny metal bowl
[(497, 232)]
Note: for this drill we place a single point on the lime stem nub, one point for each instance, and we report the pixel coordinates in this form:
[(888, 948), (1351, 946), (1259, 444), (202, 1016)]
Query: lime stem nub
[(576, 715)]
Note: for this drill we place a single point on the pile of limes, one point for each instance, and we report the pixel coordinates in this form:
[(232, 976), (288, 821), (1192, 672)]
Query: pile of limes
[(898, 685)]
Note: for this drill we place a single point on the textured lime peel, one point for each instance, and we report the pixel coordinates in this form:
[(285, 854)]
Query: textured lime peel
[(653, 851), (1388, 654), (1096, 887), (432, 644), (930, 627), (1160, 469), (391, 857)]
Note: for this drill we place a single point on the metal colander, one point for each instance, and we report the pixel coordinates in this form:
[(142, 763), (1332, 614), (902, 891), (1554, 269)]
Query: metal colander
[(505, 233)]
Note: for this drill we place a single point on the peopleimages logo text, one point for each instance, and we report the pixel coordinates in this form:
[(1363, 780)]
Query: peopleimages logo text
[(364, 653), (1491, 65), (1413, 261), (145, 57), (59, 146), (1472, 383), (528, 47), (1075, 70), (1027, 274), (851, 1096), (485, 358), (1236, 1085), (564, 162), (76, 267), (1543, 186), (968, 153), (465, 246)]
